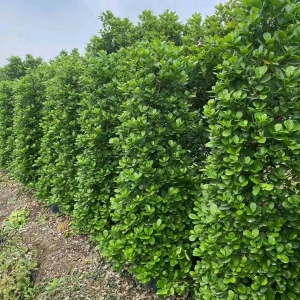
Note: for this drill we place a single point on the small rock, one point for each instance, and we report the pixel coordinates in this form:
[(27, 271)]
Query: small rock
[(54, 209)]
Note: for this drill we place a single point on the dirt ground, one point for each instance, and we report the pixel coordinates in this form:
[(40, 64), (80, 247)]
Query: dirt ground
[(69, 267)]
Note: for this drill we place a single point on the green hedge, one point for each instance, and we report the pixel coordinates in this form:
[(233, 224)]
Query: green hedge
[(29, 96), (97, 162), (6, 122), (180, 162), (247, 220), (150, 85), (155, 188), (57, 157)]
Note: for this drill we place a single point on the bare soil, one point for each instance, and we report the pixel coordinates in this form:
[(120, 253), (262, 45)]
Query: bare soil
[(64, 256)]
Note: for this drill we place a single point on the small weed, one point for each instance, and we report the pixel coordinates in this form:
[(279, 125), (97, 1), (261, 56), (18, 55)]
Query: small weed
[(54, 284), (68, 233), (23, 189), (3, 178), (17, 264), (17, 219), (42, 220), (12, 200), (30, 293)]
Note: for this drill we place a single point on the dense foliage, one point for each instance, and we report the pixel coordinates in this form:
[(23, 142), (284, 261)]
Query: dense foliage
[(6, 122), (158, 167), (117, 33), (248, 216), (9, 74), (175, 146), (57, 171), (29, 97), (16, 68), (97, 162)]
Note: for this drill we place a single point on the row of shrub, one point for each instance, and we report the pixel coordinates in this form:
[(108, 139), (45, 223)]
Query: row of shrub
[(181, 162)]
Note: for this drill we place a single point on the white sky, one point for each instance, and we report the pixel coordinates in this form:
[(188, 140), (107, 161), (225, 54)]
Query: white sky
[(45, 27)]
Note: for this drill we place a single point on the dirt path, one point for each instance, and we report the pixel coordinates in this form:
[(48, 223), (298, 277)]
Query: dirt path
[(69, 267)]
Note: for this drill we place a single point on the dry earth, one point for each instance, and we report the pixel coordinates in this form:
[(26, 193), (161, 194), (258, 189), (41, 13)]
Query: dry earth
[(69, 267)]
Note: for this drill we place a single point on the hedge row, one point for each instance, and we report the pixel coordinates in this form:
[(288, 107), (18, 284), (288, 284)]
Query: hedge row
[(250, 205), (180, 162), (6, 122), (158, 167), (139, 162), (59, 121), (114, 141)]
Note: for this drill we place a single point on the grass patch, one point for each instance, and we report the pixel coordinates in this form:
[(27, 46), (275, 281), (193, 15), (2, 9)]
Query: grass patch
[(17, 264), (16, 220)]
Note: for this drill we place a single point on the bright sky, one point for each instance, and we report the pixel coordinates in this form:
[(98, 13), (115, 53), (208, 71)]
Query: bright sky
[(45, 27)]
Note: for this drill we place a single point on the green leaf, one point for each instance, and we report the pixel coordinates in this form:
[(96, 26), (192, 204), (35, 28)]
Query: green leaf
[(255, 286), (162, 283), (256, 166), (231, 295), (254, 3), (292, 295), (193, 217), (296, 128), (262, 140), (193, 238), (197, 252), (280, 248), (267, 186), (271, 240), (239, 114), (253, 207), (211, 174), (283, 258), (226, 133), (290, 70), (278, 127), (264, 281), (267, 36), (236, 139), (213, 209), (152, 241), (289, 124), (256, 190), (255, 180), (261, 70), (242, 288), (255, 232), (266, 78), (247, 160)]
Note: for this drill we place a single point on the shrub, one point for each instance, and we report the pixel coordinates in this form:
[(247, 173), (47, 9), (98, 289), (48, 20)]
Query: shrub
[(6, 122), (117, 33), (157, 168), (16, 68), (9, 74), (223, 20), (247, 220), (58, 151), (29, 95), (98, 161)]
